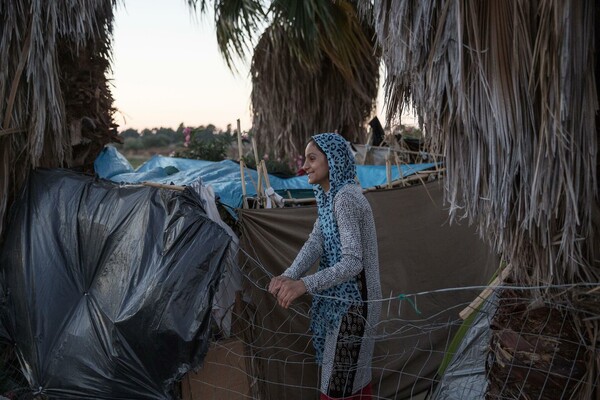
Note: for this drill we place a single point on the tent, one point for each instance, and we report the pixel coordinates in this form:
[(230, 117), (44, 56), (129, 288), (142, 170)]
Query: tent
[(223, 176), (424, 261), (106, 291), (417, 248)]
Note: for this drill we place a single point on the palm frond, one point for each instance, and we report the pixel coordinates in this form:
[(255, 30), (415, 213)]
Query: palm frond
[(237, 23), (308, 78), (36, 37), (508, 91)]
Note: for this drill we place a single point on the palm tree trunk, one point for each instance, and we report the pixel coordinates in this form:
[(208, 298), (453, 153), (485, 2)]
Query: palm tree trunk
[(508, 90), (55, 106), (88, 101), (536, 351)]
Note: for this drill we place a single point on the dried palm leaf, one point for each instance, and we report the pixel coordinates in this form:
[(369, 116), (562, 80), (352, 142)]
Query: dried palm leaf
[(39, 42), (313, 70), (508, 91)]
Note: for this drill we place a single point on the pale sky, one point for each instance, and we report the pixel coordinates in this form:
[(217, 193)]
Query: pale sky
[(167, 70)]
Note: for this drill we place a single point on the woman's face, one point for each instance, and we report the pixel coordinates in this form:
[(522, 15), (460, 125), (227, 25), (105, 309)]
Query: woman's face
[(316, 166)]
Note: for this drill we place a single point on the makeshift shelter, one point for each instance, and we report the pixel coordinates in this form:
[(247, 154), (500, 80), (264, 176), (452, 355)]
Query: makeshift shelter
[(225, 177), (107, 291), (424, 262), (270, 352)]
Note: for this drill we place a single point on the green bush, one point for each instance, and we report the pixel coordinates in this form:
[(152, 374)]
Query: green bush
[(275, 166), (155, 140), (133, 144), (207, 147)]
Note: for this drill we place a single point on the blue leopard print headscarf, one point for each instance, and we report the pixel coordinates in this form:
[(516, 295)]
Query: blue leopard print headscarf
[(332, 304)]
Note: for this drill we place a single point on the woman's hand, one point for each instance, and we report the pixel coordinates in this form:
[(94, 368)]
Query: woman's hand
[(275, 284), (289, 291), (286, 290)]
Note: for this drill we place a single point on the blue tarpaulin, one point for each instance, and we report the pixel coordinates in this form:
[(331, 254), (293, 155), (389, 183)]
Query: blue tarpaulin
[(224, 176)]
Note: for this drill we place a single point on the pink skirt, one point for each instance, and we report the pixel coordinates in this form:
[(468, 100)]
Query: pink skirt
[(365, 393)]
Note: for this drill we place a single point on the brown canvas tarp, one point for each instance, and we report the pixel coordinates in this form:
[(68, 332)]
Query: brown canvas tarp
[(418, 251)]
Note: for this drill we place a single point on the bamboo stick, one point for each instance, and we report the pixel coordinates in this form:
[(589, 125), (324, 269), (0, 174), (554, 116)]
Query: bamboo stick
[(388, 173), (239, 140), (399, 165), (369, 138), (300, 201), (266, 174), (241, 160), (263, 168), (257, 163), (416, 177), (464, 314), (417, 153), (388, 169)]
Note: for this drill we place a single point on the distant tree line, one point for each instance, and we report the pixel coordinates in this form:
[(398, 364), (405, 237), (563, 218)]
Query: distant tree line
[(170, 138), (205, 143)]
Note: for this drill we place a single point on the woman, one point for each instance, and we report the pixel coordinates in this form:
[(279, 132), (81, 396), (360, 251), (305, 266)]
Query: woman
[(344, 237)]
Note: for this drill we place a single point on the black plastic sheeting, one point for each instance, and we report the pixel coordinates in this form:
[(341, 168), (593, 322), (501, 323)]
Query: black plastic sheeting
[(107, 290)]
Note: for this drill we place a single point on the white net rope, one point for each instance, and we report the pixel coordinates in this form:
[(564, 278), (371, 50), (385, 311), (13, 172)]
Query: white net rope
[(510, 347)]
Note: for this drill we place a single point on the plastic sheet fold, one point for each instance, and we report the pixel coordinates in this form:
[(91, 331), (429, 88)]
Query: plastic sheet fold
[(106, 291)]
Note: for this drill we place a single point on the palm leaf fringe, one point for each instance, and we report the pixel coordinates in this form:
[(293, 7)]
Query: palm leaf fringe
[(508, 91), (55, 105), (314, 70)]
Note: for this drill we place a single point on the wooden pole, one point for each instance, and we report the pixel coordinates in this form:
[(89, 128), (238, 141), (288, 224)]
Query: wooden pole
[(464, 314), (310, 200), (398, 164), (266, 173), (369, 138), (241, 160), (263, 168), (416, 177), (257, 163), (267, 180), (239, 140), (388, 169)]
